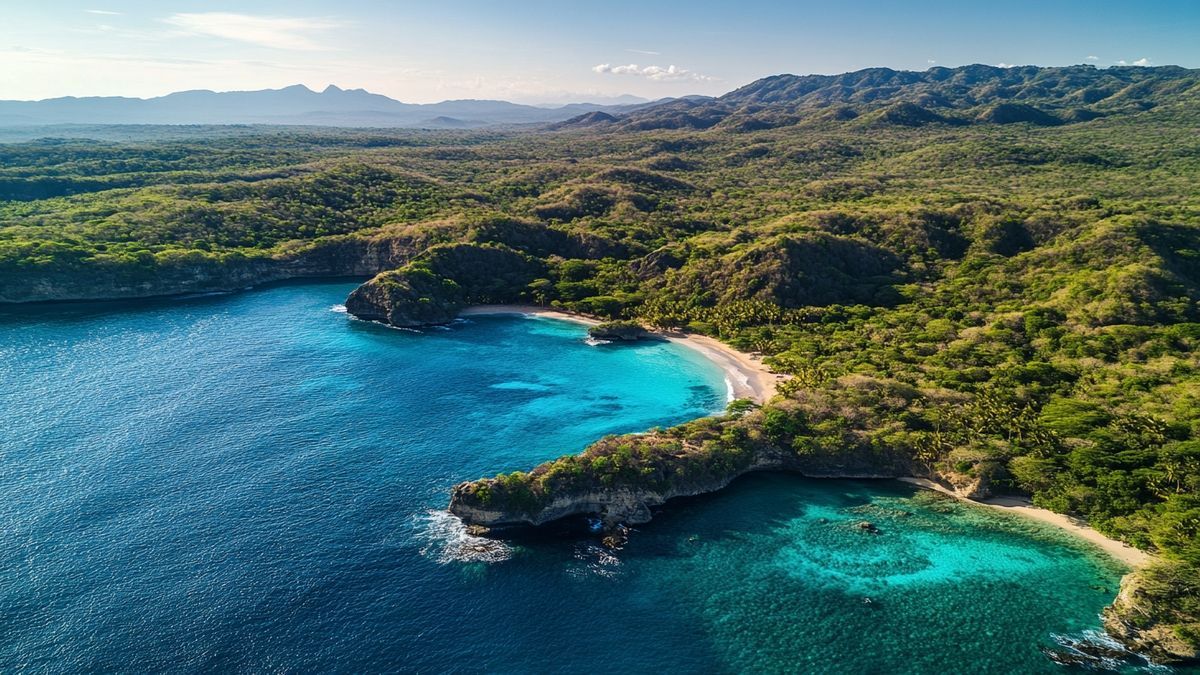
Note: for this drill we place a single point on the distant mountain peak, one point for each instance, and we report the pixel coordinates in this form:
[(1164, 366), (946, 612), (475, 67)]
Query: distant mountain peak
[(293, 104), (977, 93)]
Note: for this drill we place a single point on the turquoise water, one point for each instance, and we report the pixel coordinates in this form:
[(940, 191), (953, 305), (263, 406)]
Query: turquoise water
[(253, 482)]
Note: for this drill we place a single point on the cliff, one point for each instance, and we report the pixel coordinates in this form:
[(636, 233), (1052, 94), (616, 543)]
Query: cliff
[(407, 298), (622, 478), (1155, 613), (177, 272), (492, 258), (435, 286)]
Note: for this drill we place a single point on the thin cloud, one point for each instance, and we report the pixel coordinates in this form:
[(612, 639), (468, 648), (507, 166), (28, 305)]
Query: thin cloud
[(1140, 62), (657, 73), (103, 12), (293, 33), (1093, 58), (646, 52)]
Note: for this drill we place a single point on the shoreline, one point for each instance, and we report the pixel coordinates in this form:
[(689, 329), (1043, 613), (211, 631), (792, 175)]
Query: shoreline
[(1019, 506), (749, 378), (745, 375)]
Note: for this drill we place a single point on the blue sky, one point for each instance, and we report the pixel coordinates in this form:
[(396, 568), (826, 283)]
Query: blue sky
[(540, 51)]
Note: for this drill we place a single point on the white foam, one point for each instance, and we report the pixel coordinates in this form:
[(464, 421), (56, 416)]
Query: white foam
[(386, 325), (338, 309), (596, 342), (204, 294), (595, 561), (1112, 657), (446, 541)]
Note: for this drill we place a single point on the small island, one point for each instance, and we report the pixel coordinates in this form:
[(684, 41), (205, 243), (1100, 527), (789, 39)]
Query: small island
[(619, 331)]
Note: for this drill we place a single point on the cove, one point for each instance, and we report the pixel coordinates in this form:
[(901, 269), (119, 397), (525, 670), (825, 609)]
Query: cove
[(254, 482)]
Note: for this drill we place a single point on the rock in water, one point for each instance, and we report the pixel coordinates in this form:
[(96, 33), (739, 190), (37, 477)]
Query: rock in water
[(406, 298), (1148, 618), (625, 331)]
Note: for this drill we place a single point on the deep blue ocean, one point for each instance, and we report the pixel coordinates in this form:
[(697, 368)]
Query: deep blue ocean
[(256, 483)]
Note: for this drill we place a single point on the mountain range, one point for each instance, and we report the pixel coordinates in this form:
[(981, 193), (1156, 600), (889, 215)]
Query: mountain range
[(296, 104), (975, 94), (955, 96)]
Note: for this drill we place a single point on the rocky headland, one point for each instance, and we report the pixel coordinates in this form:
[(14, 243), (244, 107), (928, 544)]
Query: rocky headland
[(182, 272), (621, 479)]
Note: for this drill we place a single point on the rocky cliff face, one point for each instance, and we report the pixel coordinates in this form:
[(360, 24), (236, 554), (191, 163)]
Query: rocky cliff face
[(441, 281), (407, 299), (629, 504), (622, 479), (1142, 620), (200, 272)]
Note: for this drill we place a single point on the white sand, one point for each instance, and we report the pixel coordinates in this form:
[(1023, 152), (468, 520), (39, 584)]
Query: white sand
[(746, 375), (749, 378), (1020, 506)]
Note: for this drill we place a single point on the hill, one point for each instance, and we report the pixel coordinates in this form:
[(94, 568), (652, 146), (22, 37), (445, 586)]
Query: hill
[(977, 93)]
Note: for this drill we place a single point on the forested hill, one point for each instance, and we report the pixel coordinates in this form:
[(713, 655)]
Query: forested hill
[(964, 95)]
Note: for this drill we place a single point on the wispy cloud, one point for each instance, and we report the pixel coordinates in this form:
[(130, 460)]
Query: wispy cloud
[(294, 33), (1144, 61), (1093, 58), (1005, 65), (647, 52), (104, 12), (657, 73)]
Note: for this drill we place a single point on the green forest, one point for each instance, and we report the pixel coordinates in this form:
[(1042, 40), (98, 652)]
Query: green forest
[(999, 279)]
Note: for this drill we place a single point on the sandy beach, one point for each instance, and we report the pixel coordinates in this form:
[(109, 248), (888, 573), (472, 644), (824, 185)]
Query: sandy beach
[(1022, 507), (745, 374), (749, 378)]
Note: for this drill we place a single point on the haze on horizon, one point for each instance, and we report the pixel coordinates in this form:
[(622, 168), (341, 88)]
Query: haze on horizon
[(540, 53)]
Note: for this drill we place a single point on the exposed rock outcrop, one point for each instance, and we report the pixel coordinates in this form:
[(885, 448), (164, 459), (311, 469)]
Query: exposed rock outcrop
[(362, 254), (1146, 618), (621, 331), (435, 287), (176, 273), (622, 478), (407, 299), (487, 503)]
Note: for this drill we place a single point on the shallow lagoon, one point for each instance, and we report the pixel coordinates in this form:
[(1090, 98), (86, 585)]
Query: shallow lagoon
[(253, 482)]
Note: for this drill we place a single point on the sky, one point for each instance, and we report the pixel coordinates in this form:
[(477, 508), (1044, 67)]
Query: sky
[(537, 51)]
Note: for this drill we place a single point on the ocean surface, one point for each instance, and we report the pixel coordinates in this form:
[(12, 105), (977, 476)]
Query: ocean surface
[(255, 483)]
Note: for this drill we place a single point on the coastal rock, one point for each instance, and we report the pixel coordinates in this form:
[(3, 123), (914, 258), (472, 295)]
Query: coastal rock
[(1143, 619), (434, 288), (867, 526), (623, 478), (620, 331), (966, 486), (407, 299)]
